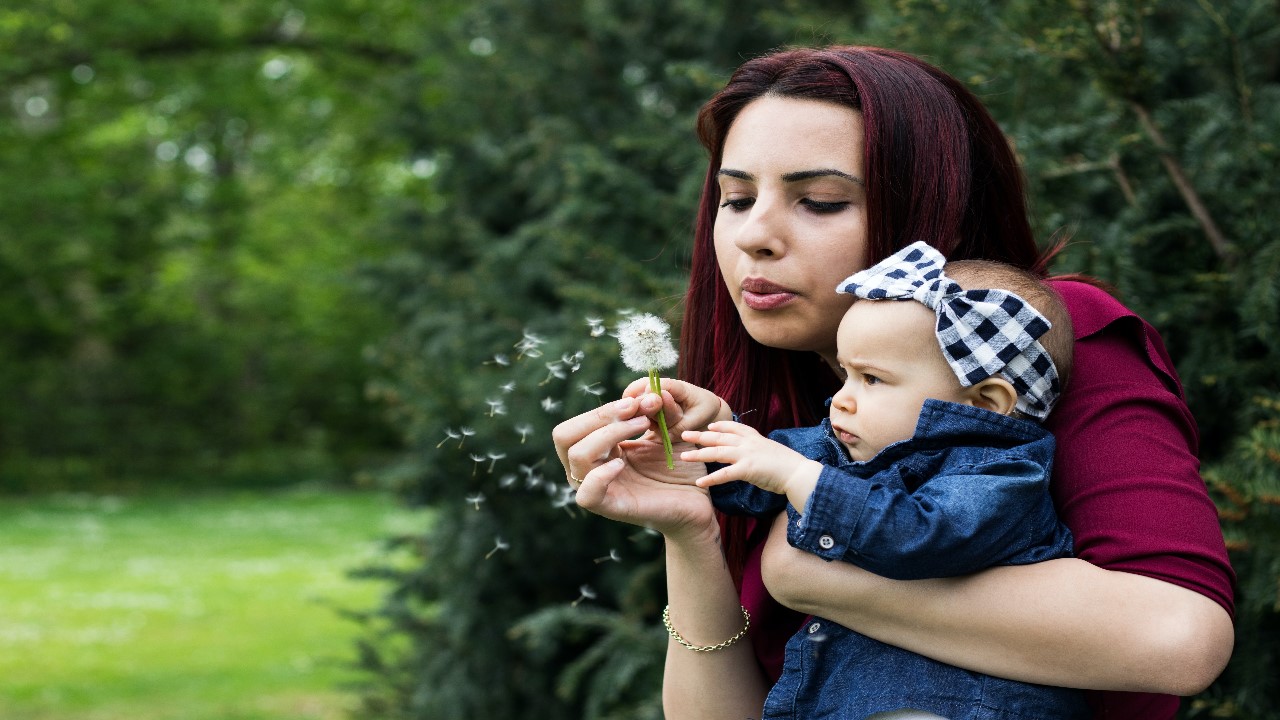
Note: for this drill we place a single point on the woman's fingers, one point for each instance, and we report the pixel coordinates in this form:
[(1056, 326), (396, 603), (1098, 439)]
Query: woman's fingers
[(599, 446), (595, 485), (572, 431)]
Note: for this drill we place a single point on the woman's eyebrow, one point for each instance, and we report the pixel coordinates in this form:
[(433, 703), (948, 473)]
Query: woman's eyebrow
[(822, 172), (794, 176)]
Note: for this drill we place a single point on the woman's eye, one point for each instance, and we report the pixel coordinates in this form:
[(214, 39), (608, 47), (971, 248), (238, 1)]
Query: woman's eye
[(823, 207), (738, 204)]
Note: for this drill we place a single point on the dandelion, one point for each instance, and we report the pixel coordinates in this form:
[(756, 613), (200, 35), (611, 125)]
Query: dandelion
[(646, 347), (550, 404), (596, 326), (497, 406), (476, 499), (643, 533), (498, 544), (477, 459), (591, 389), (584, 593), (508, 387), (524, 430), (613, 556), (450, 434), (507, 480), (500, 360), (466, 432)]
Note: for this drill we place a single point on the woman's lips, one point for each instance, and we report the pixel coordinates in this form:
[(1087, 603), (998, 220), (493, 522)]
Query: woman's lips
[(761, 294)]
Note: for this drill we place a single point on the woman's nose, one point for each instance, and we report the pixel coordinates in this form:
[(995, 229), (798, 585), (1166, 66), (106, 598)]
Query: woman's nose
[(762, 232)]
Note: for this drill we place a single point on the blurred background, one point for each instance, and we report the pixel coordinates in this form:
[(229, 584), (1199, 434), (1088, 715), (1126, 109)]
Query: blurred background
[(291, 294)]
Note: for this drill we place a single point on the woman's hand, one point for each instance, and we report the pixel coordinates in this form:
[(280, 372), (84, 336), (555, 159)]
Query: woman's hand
[(686, 406), (619, 469)]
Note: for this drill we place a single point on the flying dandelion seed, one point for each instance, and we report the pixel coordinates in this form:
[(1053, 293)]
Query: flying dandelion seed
[(499, 359), (493, 458), (508, 387), (497, 406), (591, 389), (476, 499), (524, 430), (564, 498), (498, 544), (550, 404), (532, 481), (613, 556), (528, 345), (450, 434), (466, 432), (596, 326), (477, 459), (555, 371), (584, 593), (644, 533), (573, 361), (507, 480)]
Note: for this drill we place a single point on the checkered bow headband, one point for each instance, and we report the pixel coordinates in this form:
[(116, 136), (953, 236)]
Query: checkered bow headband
[(981, 332)]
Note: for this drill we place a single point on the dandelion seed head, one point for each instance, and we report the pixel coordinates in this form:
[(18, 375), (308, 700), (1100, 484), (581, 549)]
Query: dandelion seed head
[(646, 343)]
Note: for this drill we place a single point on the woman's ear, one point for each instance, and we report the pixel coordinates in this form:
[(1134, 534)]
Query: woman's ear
[(995, 394)]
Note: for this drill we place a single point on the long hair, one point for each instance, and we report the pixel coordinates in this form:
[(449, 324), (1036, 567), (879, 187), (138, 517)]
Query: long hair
[(938, 169)]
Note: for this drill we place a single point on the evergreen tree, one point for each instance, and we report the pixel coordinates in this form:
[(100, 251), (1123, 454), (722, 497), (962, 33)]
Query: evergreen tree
[(563, 175)]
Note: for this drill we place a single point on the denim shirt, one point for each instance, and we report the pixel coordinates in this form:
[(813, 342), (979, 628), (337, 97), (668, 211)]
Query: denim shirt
[(968, 491)]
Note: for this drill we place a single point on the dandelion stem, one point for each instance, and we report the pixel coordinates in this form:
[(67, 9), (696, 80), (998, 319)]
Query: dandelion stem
[(656, 385)]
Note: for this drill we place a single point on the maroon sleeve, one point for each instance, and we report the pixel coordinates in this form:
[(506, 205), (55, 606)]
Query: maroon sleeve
[(1126, 475)]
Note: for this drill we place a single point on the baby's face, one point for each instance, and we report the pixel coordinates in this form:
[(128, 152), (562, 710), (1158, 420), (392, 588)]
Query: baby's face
[(892, 364)]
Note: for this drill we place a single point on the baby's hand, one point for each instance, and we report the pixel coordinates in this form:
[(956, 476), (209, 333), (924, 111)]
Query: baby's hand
[(752, 457)]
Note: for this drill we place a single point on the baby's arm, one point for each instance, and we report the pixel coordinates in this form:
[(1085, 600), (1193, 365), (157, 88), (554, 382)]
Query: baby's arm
[(751, 457)]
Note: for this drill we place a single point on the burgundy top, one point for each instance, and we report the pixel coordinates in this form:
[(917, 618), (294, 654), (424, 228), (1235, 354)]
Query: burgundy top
[(1126, 481)]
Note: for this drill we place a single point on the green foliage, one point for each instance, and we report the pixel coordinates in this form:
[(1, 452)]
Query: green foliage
[(187, 191)]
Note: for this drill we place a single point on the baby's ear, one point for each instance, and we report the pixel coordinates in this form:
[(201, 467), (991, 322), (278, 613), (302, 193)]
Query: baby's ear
[(995, 394)]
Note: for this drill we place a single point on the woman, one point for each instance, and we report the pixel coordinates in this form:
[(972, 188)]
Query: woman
[(821, 163)]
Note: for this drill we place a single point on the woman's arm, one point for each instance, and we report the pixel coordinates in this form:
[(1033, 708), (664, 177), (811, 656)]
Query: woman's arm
[(627, 480), (1062, 622)]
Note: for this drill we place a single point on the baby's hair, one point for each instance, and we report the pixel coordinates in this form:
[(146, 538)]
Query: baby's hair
[(988, 275)]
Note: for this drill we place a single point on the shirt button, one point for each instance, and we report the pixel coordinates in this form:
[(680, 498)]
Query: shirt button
[(815, 628), (826, 542)]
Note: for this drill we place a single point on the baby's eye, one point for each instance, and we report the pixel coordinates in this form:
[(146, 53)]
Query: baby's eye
[(738, 204), (870, 379)]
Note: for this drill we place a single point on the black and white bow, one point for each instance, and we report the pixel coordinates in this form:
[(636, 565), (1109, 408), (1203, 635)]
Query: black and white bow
[(981, 332)]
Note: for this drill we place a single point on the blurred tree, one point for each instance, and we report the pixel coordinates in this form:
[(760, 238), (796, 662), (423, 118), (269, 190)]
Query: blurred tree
[(188, 190)]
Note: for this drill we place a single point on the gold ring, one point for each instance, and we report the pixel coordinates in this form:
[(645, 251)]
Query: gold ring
[(575, 479)]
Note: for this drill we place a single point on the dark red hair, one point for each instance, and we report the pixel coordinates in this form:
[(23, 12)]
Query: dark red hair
[(938, 169)]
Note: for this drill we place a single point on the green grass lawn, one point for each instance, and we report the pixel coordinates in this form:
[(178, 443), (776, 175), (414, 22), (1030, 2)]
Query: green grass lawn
[(211, 607)]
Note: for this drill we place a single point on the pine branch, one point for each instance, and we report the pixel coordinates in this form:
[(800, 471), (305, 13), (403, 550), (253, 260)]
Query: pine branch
[(1181, 181)]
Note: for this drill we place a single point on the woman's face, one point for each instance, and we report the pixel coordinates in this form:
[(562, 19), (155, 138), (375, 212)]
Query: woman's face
[(792, 221)]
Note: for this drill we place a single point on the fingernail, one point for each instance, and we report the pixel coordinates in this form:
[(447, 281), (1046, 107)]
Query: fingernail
[(624, 404)]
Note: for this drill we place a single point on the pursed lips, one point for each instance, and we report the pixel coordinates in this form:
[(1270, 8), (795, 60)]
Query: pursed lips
[(761, 294)]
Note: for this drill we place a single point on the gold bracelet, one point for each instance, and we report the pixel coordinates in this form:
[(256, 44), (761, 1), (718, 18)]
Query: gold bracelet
[(666, 622)]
